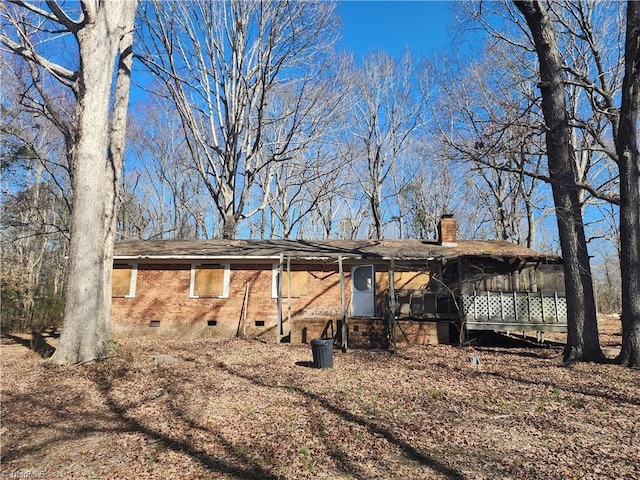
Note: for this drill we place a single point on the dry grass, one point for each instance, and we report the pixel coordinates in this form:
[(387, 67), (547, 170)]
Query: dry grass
[(233, 408)]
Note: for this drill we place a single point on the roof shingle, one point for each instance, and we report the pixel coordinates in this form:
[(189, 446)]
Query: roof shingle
[(322, 249)]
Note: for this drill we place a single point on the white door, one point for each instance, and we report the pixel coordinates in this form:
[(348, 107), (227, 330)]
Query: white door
[(362, 291)]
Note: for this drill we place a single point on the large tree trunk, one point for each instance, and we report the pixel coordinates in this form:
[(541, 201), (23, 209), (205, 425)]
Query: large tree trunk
[(229, 227), (629, 162), (376, 212), (86, 332), (582, 338), (115, 159)]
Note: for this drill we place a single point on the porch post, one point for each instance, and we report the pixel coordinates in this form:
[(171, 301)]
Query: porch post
[(392, 304), (279, 302), (345, 330), (289, 289)]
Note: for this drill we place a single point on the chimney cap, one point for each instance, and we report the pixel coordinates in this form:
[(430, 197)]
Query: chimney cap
[(446, 215)]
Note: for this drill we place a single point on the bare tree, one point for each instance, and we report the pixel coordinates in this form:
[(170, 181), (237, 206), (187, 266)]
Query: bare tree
[(299, 190), (489, 121), (102, 33), (36, 195), (294, 186), (329, 192), (431, 192), (386, 110), (626, 142), (589, 37), (595, 72), (604, 76), (582, 337), (221, 63), (163, 196), (33, 247)]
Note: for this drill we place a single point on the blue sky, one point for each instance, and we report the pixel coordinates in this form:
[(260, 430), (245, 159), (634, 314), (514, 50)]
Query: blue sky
[(394, 25)]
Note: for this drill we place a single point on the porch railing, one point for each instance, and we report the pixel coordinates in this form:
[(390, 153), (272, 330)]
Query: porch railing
[(425, 304)]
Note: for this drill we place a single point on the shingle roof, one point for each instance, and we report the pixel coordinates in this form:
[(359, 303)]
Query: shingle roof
[(322, 249)]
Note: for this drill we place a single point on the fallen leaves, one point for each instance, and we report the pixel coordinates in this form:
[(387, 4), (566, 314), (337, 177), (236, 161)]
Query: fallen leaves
[(229, 408)]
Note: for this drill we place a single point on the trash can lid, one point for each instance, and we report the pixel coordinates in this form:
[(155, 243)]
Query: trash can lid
[(322, 341)]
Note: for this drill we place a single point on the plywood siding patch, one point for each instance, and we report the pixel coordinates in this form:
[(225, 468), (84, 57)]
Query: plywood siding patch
[(209, 281), (121, 280), (298, 280), (403, 281)]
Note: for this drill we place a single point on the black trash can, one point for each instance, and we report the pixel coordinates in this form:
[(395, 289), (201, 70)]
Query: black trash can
[(322, 350)]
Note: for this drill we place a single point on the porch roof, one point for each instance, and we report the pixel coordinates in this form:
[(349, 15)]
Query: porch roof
[(324, 250)]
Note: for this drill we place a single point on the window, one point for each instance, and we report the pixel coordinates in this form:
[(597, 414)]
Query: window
[(363, 278), (123, 280), (209, 281), (297, 279)]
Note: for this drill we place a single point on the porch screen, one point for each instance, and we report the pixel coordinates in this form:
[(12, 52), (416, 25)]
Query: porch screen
[(121, 280), (209, 281)]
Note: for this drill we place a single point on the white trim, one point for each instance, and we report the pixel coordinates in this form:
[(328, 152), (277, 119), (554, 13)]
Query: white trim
[(274, 279), (200, 258), (133, 281), (225, 280), (192, 281), (244, 258)]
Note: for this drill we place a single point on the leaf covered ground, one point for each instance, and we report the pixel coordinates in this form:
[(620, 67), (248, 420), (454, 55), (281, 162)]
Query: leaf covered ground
[(243, 409)]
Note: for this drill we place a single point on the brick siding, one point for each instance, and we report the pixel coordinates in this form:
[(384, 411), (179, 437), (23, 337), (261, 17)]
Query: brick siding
[(162, 294)]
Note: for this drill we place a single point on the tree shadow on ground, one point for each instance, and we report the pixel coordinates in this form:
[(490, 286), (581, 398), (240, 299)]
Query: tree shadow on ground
[(410, 452), (38, 342), (615, 397), (64, 426), (502, 339), (497, 342), (305, 364), (249, 469)]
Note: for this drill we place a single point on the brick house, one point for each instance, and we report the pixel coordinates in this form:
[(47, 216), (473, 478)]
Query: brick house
[(366, 291)]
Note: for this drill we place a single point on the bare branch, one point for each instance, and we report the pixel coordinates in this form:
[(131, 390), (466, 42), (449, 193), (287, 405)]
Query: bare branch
[(65, 76), (62, 18), (32, 8)]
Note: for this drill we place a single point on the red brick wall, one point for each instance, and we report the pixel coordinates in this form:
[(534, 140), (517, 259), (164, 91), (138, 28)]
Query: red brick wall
[(162, 293)]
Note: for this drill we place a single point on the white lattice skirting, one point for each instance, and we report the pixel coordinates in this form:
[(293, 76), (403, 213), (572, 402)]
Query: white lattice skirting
[(515, 311)]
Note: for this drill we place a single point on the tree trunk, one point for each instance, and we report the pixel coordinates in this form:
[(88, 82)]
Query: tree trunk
[(582, 337), (115, 159), (376, 213), (229, 227), (86, 332), (628, 163)]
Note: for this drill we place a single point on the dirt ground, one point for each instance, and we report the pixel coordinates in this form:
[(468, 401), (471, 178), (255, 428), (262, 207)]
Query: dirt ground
[(243, 409)]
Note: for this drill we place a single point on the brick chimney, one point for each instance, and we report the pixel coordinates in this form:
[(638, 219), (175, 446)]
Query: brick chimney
[(447, 230)]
